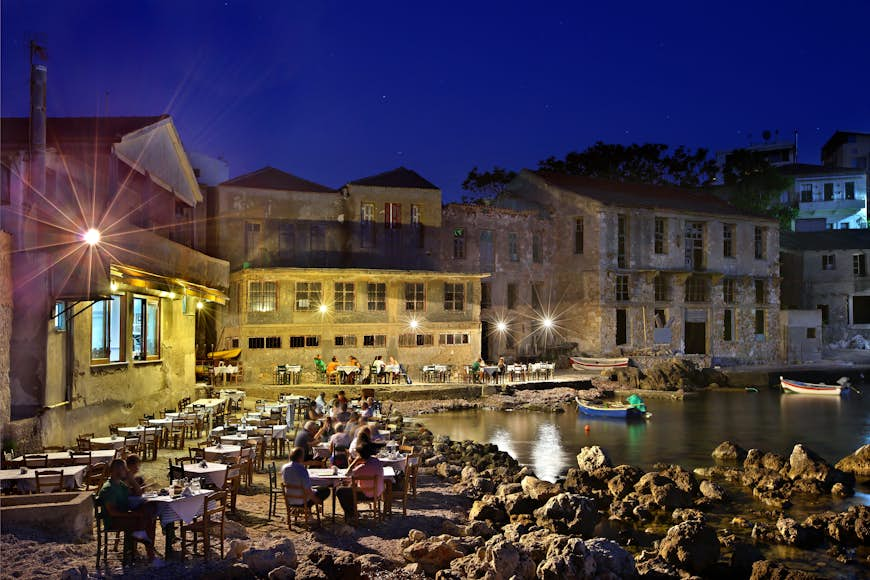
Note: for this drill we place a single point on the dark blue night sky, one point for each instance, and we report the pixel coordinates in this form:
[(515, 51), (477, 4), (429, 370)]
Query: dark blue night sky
[(333, 91)]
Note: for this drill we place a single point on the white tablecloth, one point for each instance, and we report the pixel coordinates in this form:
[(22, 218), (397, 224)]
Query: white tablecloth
[(215, 472), (233, 394), (239, 439), (26, 482), (136, 430), (216, 453), (183, 509), (62, 458), (107, 442)]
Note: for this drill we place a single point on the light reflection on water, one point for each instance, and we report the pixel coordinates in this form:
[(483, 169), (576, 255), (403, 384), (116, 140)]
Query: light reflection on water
[(683, 432)]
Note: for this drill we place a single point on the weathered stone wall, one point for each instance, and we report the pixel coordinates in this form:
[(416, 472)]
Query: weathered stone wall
[(5, 326)]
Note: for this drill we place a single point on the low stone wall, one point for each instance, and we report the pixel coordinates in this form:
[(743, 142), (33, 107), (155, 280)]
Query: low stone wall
[(67, 516)]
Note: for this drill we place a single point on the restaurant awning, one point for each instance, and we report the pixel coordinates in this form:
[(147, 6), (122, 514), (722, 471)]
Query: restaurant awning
[(137, 278)]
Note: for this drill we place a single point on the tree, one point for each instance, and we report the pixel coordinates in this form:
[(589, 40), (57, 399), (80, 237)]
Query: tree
[(755, 186), (487, 185)]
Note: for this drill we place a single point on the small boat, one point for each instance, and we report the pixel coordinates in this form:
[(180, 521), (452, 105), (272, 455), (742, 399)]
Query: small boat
[(792, 386), (612, 410), (598, 364), (224, 354)]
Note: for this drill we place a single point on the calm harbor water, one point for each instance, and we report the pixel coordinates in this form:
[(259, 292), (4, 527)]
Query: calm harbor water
[(683, 432)]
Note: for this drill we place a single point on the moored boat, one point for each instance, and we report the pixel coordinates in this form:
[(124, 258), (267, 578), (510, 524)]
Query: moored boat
[(792, 386), (612, 410), (597, 364)]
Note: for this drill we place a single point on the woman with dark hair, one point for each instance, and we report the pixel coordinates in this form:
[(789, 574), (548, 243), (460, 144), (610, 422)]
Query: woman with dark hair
[(366, 464)]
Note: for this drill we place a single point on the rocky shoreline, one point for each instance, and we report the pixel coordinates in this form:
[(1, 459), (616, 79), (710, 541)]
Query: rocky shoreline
[(480, 514)]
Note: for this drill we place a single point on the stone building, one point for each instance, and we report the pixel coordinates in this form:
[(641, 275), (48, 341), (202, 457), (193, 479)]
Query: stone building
[(616, 267), (105, 277), (827, 271), (317, 270)]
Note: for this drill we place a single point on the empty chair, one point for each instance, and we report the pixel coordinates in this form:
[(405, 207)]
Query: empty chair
[(208, 526), (49, 480), (80, 457), (274, 490), (36, 460)]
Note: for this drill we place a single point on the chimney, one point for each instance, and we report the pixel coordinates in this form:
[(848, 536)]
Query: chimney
[(38, 76)]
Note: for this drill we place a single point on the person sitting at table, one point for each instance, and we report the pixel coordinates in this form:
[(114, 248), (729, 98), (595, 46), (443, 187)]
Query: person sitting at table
[(477, 370), (134, 481), (115, 495), (332, 367), (305, 438), (295, 473), (378, 366), (313, 413), (320, 403), (502, 367), (366, 411), (342, 398), (319, 364), (339, 439), (363, 435), (325, 432), (366, 464), (342, 416), (352, 424)]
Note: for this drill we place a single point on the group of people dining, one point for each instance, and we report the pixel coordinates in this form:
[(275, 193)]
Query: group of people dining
[(352, 370)]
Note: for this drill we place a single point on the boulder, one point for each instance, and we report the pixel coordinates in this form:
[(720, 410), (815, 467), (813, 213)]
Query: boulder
[(433, 554), (335, 564), (657, 568), (682, 478), (807, 464), (308, 571), (729, 451), (690, 545), (663, 491), (234, 530), (793, 533), (237, 547), (767, 570), (712, 490), (497, 560), (519, 503), (537, 543), (261, 561), (858, 463), (468, 472), (592, 458), (538, 489), (612, 562), (282, 573), (567, 559), (416, 535), (568, 513), (488, 508)]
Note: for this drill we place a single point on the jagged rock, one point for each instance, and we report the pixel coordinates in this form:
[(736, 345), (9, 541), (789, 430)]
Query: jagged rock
[(488, 508), (537, 543), (416, 535), (793, 533), (688, 515), (657, 569), (433, 554), (690, 545), (568, 513), (497, 560), (335, 564), (261, 561), (858, 463), (767, 570), (729, 451), (282, 573), (468, 472), (592, 458), (774, 461), (664, 492), (611, 560), (506, 489), (519, 503), (308, 571), (237, 547), (682, 478), (446, 470), (567, 559), (234, 530), (806, 464), (712, 490), (538, 489), (850, 527)]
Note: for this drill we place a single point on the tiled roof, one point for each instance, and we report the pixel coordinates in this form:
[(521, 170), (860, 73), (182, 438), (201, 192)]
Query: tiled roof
[(826, 240), (627, 194), (799, 169), (399, 177), (15, 130), (271, 178)]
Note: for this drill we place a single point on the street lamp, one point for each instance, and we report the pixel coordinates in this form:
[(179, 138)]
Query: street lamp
[(91, 237)]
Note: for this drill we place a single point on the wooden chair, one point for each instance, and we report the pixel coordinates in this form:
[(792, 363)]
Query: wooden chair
[(175, 471), (36, 460), (367, 484), (209, 525), (231, 483), (96, 475), (148, 440), (198, 452), (182, 460), (83, 441), (120, 524), (176, 433), (260, 450), (274, 490), (50, 480), (402, 493), (80, 457), (113, 428), (296, 504), (412, 467), (131, 446)]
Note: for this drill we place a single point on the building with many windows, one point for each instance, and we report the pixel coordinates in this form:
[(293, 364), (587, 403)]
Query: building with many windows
[(339, 272), (827, 197), (847, 149), (618, 267)]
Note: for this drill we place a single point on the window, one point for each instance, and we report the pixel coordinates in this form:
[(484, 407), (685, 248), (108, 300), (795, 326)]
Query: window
[(811, 332), (511, 296), (661, 235), (660, 288), (487, 252), (485, 295), (536, 293), (859, 265), (860, 309), (233, 342), (621, 288), (308, 296), (695, 245), (829, 262), (252, 241), (454, 296), (696, 289), (415, 296), (311, 341), (829, 191), (286, 240), (411, 340), (262, 296), (273, 342), (760, 294), (760, 244), (759, 324), (145, 330), (367, 225), (107, 330), (377, 295), (378, 340), (60, 316), (346, 340), (458, 243), (256, 342), (297, 342), (456, 338), (317, 238), (5, 184), (344, 296), (807, 192), (621, 241), (537, 248), (578, 235), (392, 216), (850, 190), (844, 226), (728, 325), (513, 247), (729, 290), (417, 225), (728, 240), (826, 312)]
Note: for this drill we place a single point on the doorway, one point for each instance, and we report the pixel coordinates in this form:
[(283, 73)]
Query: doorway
[(484, 340), (621, 327), (696, 337)]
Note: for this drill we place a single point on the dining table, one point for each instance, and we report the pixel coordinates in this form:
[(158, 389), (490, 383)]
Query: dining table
[(26, 482), (235, 395), (219, 452), (63, 458), (216, 473), (110, 442), (325, 477), (239, 439)]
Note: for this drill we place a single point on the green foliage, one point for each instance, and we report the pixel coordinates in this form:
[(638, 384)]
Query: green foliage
[(755, 186), (487, 185)]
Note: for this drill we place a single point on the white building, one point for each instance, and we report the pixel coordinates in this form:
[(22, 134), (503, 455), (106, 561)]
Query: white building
[(827, 197), (847, 149)]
